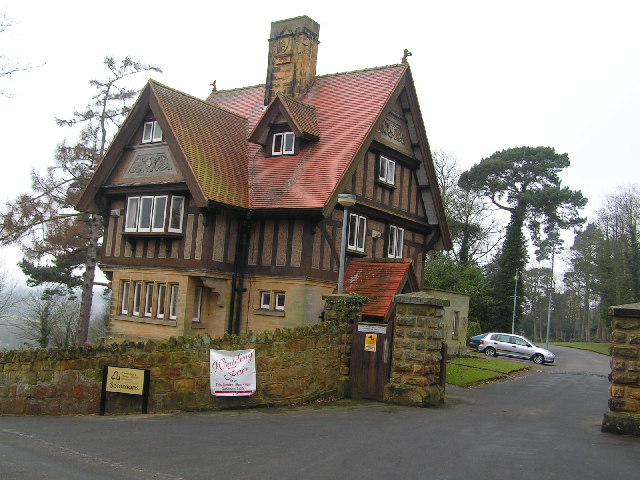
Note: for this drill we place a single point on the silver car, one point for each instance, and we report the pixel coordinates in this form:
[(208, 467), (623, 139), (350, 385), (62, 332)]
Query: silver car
[(510, 345)]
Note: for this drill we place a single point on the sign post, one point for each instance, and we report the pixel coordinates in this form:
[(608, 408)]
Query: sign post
[(130, 381)]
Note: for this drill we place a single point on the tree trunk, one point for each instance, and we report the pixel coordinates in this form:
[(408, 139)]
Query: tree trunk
[(88, 281)]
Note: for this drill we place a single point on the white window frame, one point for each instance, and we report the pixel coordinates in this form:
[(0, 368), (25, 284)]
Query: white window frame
[(156, 200), (197, 305), (396, 239), (148, 299), (132, 214), (137, 298), (124, 305), (169, 227), (162, 294), (142, 201), (173, 306), (357, 243), (152, 132), (280, 298), (265, 300), (387, 170), (283, 138)]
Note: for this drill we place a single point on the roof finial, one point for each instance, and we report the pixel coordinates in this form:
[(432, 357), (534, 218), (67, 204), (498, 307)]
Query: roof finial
[(213, 86), (407, 53)]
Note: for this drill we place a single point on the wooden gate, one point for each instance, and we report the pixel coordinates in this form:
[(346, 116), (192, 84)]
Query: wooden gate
[(370, 360)]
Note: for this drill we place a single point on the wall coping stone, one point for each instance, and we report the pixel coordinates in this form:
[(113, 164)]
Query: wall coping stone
[(629, 310), (420, 298)]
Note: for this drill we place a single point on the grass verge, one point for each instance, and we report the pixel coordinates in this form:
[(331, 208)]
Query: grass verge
[(466, 372), (602, 348)]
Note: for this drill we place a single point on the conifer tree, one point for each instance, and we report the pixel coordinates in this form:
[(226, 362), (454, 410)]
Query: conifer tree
[(60, 244)]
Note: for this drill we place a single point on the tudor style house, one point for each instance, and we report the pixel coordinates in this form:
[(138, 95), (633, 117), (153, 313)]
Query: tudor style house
[(221, 215)]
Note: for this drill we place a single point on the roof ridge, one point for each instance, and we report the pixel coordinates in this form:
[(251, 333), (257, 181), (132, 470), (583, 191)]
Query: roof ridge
[(295, 100), (404, 65), (237, 88), (156, 83)]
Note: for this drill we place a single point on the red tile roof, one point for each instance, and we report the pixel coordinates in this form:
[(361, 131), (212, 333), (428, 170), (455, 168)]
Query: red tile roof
[(378, 280), (213, 141), (347, 106)]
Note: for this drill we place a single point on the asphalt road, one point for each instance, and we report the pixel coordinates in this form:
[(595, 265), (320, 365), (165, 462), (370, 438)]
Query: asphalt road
[(543, 425)]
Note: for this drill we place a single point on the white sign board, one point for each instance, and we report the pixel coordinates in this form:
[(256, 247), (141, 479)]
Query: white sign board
[(233, 374), (382, 329)]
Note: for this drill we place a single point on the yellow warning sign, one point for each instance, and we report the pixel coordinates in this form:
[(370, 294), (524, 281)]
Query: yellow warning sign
[(370, 342)]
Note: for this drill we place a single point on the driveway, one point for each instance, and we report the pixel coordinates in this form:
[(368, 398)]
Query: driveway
[(544, 425)]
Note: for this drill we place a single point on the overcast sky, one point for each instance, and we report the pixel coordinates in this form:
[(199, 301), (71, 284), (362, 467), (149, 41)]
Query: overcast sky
[(489, 74)]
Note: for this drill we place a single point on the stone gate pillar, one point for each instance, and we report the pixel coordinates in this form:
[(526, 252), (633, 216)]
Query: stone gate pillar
[(416, 361), (624, 393)]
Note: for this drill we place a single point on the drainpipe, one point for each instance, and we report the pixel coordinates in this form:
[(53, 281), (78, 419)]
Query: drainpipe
[(237, 283)]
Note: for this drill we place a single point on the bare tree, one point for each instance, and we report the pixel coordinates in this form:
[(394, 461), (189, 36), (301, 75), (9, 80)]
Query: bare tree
[(9, 67), (475, 229), (9, 298)]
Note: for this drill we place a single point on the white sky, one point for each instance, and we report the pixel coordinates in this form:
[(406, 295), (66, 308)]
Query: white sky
[(489, 74)]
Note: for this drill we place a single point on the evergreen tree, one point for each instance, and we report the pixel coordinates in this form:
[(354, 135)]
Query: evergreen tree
[(524, 182), (60, 244)]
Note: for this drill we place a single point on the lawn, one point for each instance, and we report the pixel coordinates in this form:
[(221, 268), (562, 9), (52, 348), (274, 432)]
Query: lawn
[(465, 372), (602, 348)]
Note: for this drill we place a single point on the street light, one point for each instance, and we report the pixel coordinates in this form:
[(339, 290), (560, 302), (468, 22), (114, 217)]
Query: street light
[(515, 293), (346, 200)]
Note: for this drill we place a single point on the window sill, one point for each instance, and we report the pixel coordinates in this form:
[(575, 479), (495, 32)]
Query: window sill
[(152, 234), (355, 253), (196, 325), (152, 321), (389, 186), (271, 313)]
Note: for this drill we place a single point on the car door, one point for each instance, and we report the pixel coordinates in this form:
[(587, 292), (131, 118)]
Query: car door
[(501, 343), (523, 348)]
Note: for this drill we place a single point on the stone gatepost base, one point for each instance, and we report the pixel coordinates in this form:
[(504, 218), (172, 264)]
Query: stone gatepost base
[(416, 377), (622, 423)]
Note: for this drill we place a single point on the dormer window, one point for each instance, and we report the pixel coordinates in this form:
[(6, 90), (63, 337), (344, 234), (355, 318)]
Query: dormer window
[(152, 132), (283, 143), (387, 171)]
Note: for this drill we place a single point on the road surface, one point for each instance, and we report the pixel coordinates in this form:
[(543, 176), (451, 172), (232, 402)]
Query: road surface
[(543, 425)]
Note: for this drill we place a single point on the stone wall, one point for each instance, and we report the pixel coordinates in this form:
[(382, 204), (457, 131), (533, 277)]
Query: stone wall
[(416, 376), (624, 402), (293, 366)]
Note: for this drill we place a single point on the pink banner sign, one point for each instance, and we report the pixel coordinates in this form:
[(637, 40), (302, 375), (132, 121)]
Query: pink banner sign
[(233, 374)]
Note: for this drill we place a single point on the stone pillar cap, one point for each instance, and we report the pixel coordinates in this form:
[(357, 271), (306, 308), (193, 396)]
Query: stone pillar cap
[(421, 298)]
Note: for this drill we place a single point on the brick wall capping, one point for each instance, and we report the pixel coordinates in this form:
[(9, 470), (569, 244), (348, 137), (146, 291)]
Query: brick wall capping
[(629, 310), (421, 298)]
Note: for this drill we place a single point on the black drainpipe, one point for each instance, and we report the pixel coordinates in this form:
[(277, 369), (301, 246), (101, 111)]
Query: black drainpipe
[(237, 281)]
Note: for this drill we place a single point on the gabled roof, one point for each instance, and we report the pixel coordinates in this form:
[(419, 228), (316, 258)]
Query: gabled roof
[(347, 106), (213, 141), (301, 117), (208, 141), (379, 280)]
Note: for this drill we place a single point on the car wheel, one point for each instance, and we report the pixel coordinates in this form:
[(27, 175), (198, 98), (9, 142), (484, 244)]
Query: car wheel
[(538, 358), (490, 352)]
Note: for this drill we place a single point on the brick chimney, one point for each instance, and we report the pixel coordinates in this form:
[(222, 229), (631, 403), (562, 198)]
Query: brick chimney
[(293, 50)]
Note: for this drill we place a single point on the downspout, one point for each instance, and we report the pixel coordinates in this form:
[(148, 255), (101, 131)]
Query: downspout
[(237, 281)]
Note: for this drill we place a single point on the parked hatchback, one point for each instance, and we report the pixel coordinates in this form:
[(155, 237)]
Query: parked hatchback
[(474, 341), (509, 345)]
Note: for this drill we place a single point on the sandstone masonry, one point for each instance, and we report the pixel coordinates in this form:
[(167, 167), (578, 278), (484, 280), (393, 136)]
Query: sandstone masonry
[(624, 401)]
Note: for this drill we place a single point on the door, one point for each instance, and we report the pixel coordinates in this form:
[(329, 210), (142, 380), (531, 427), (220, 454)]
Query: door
[(370, 360)]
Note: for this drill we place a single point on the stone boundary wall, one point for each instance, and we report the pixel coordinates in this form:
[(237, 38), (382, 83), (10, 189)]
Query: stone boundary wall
[(624, 401), (416, 377), (293, 366)]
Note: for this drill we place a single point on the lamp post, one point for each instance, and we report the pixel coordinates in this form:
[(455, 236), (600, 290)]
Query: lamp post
[(346, 200), (551, 289), (515, 295)]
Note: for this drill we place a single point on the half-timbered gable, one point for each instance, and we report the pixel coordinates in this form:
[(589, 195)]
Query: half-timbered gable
[(222, 216)]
